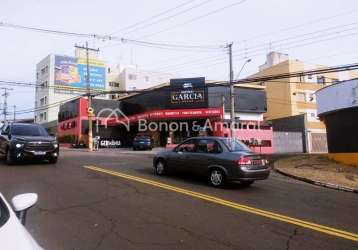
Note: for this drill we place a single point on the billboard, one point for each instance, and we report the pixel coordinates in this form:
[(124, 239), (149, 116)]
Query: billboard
[(72, 72)]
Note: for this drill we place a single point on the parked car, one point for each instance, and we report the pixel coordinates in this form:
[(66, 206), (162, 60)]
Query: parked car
[(219, 159), (21, 141), (13, 234), (142, 142)]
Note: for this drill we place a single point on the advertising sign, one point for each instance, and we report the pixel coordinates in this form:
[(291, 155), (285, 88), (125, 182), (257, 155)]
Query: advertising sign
[(190, 92), (72, 73)]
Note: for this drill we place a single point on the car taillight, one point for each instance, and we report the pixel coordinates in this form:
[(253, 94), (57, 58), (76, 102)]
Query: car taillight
[(244, 161)]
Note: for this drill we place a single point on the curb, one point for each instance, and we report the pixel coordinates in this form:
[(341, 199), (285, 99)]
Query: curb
[(318, 183)]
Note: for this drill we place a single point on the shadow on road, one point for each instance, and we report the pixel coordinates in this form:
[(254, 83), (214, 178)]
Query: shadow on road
[(193, 179)]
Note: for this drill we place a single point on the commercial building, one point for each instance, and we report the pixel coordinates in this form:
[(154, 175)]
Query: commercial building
[(172, 112), (130, 77), (338, 109), (60, 78), (295, 96)]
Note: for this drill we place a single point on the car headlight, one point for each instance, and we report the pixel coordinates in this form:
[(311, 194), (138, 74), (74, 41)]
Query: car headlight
[(19, 145), (55, 145)]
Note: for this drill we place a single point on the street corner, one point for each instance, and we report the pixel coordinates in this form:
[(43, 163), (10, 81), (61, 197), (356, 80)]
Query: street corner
[(319, 170)]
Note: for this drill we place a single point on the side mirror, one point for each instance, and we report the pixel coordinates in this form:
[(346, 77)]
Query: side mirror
[(22, 203)]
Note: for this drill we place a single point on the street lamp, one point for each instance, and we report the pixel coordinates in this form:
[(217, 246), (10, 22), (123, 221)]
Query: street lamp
[(243, 66)]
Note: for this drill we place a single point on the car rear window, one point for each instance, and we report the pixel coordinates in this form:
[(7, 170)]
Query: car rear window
[(235, 145), (142, 138), (28, 130)]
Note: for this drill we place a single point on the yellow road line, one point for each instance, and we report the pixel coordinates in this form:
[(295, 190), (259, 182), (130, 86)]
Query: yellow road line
[(267, 214)]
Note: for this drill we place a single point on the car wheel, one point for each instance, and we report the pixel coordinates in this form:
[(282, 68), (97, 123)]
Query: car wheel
[(246, 183), (217, 178), (9, 159), (53, 160), (160, 167)]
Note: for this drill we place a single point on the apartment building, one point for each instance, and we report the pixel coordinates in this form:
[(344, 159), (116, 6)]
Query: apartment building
[(131, 77), (60, 78), (296, 96)]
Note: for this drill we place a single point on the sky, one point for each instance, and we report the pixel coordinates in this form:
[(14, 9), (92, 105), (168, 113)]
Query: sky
[(318, 32)]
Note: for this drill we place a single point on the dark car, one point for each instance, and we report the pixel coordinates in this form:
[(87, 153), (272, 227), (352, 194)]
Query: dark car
[(21, 141), (142, 142), (218, 159)]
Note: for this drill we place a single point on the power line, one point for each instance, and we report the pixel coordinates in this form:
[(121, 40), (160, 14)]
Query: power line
[(57, 32), (194, 19), (248, 53), (268, 78), (305, 24), (170, 17), (154, 16), (221, 60), (101, 37)]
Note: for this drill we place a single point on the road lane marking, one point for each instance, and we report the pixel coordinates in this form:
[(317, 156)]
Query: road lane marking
[(252, 210)]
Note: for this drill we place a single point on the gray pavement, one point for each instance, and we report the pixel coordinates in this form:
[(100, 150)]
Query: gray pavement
[(82, 209)]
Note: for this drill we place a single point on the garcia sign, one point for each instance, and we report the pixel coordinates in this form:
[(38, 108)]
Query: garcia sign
[(188, 96), (188, 92)]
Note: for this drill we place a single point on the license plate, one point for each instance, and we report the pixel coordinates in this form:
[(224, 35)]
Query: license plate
[(142, 142), (257, 162), (39, 153)]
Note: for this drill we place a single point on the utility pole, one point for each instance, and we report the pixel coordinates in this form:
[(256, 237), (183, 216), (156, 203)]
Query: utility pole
[(14, 113), (232, 94), (89, 96), (5, 95)]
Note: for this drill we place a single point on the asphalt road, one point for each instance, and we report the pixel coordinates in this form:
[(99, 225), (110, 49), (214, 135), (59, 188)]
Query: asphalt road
[(80, 208)]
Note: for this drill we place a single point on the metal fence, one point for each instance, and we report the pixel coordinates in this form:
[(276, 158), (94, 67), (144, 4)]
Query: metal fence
[(287, 142)]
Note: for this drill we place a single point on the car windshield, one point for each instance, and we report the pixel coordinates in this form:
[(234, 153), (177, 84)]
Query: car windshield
[(28, 130), (235, 145)]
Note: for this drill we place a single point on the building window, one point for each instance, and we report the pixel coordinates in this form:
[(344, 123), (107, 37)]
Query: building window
[(45, 116), (132, 77), (44, 70), (321, 80), (43, 101), (146, 78), (114, 84), (301, 97), (310, 77)]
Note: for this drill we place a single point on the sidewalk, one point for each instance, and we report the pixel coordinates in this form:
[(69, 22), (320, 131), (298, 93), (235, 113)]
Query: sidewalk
[(319, 170), (115, 150)]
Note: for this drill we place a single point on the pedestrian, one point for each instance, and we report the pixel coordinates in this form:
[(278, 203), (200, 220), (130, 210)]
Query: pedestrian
[(96, 142)]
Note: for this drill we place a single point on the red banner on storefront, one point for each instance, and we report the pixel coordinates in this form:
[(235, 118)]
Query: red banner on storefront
[(169, 114)]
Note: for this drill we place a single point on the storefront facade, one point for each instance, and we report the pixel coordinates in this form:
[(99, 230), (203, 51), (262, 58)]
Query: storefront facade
[(185, 108)]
